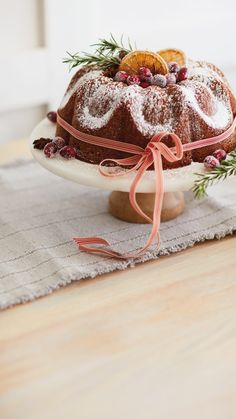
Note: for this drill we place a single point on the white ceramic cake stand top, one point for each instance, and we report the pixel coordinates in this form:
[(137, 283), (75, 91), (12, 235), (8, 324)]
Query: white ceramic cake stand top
[(181, 179)]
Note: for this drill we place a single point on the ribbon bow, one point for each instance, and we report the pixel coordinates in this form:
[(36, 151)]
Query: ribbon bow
[(141, 160)]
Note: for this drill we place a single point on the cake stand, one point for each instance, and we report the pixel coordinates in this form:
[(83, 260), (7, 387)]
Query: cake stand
[(176, 181)]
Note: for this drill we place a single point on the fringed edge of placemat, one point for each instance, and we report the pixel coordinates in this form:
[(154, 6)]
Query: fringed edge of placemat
[(118, 265)]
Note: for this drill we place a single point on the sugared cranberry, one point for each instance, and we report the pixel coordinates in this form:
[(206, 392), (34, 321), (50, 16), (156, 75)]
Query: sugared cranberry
[(145, 74), (135, 79), (144, 84), (52, 116), (210, 162), (68, 152), (60, 142), (170, 78), (159, 80), (50, 150), (173, 67), (182, 74), (220, 154), (121, 76)]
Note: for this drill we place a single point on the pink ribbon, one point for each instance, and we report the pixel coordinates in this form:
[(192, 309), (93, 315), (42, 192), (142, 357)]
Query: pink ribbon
[(141, 160)]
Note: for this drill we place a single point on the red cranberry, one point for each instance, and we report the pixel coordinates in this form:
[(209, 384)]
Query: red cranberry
[(220, 154), (182, 74), (50, 150), (159, 80), (145, 74), (52, 116), (135, 79), (173, 67), (148, 79), (68, 152), (210, 162), (60, 142), (121, 76), (170, 78), (144, 84)]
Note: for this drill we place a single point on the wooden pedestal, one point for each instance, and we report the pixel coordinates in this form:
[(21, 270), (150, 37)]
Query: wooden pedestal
[(119, 206)]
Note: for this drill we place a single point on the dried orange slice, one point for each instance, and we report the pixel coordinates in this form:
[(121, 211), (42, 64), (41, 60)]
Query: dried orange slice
[(176, 55), (132, 62)]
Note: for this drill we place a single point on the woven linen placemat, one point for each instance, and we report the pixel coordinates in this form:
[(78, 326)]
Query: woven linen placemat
[(40, 213)]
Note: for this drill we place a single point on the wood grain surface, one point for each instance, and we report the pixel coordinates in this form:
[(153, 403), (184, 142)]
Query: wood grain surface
[(156, 341)]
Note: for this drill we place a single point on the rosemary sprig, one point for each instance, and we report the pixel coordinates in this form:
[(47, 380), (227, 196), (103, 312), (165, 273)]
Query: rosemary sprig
[(101, 60), (111, 46), (224, 170), (106, 54)]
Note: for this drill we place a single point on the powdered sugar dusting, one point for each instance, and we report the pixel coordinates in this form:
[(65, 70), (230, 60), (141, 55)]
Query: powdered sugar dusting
[(135, 99), (87, 76), (203, 73), (94, 113), (147, 103), (219, 119), (152, 109)]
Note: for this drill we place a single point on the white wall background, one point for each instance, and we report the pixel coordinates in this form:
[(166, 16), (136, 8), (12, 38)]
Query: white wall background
[(34, 35)]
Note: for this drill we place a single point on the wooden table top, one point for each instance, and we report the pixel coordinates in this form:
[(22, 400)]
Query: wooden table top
[(155, 341)]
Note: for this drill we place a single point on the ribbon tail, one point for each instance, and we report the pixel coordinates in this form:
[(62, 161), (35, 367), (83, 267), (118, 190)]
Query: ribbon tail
[(84, 243), (159, 194), (132, 194)]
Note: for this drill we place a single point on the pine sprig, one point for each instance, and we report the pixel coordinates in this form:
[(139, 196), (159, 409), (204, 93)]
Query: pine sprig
[(224, 170), (106, 54)]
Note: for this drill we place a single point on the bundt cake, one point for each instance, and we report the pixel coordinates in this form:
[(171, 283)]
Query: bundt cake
[(194, 102)]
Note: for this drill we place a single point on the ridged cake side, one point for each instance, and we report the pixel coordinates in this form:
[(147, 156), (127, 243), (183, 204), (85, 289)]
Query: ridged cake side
[(201, 106)]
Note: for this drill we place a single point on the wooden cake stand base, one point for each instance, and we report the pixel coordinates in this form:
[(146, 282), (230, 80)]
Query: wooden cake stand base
[(119, 206)]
